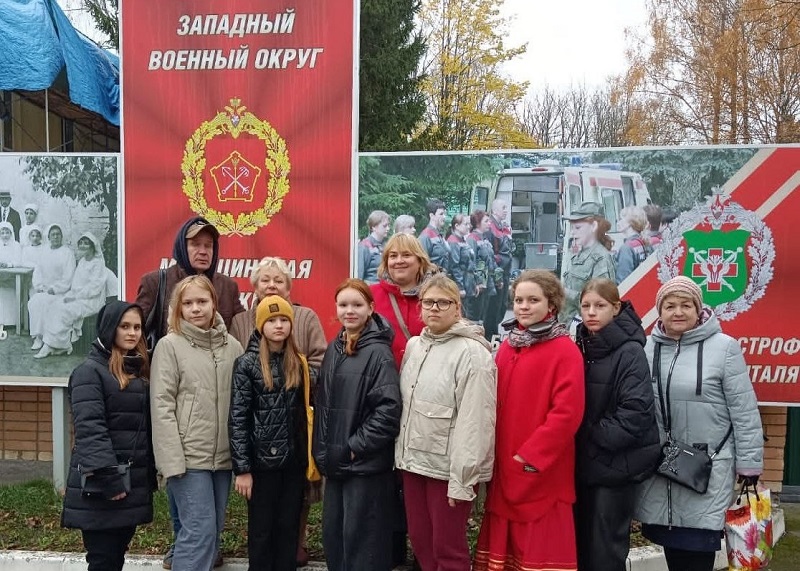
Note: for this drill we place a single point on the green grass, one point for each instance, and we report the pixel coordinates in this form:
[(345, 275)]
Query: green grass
[(30, 519), (787, 551)]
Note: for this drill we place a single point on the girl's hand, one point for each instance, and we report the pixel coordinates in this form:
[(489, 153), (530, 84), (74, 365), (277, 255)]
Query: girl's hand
[(244, 485), (119, 496)]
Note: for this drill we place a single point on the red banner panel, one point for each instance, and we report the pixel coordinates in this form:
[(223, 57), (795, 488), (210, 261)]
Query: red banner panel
[(244, 117), (738, 246)]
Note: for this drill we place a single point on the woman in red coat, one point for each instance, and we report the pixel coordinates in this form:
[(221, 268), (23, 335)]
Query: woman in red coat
[(528, 522), (404, 266)]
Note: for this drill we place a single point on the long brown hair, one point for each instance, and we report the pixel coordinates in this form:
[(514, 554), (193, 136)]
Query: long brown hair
[(116, 364), (361, 287), (291, 362)]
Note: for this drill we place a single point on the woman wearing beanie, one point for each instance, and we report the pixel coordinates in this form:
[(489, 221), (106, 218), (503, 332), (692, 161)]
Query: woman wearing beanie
[(269, 436), (703, 393)]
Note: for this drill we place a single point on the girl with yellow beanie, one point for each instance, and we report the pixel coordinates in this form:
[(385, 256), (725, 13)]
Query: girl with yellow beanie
[(268, 428)]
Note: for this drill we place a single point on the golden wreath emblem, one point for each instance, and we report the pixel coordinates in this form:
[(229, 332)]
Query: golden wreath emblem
[(236, 177)]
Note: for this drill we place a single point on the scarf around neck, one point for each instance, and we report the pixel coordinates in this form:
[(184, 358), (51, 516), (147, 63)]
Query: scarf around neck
[(536, 333)]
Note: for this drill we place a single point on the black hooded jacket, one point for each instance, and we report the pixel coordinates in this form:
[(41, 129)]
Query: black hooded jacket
[(112, 427), (618, 440), (267, 428), (358, 405)]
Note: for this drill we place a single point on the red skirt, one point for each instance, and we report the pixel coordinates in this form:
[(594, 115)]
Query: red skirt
[(547, 544)]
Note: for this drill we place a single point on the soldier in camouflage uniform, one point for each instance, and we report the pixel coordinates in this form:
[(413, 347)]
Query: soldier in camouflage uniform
[(588, 228)]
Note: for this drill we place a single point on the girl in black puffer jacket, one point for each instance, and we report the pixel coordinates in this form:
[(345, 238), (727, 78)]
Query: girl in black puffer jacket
[(109, 394), (356, 421), (618, 442), (268, 430)]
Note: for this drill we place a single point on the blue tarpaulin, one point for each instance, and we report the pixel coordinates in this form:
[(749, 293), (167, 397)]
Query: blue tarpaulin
[(37, 41)]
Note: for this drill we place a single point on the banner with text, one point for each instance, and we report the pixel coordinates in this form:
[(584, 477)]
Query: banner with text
[(244, 118), (727, 222)]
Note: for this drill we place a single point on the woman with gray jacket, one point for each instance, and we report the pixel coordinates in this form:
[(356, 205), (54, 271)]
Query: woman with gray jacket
[(190, 398), (446, 444), (709, 399)]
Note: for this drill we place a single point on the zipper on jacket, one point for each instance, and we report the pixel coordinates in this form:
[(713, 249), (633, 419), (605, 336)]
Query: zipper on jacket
[(216, 409), (404, 428), (666, 397)]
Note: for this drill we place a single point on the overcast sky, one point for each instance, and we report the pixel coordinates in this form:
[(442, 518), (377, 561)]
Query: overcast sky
[(569, 41)]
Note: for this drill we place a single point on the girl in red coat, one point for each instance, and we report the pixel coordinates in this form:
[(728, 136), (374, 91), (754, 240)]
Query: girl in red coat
[(528, 524)]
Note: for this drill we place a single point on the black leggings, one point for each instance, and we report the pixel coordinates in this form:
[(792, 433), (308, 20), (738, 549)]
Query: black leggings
[(682, 560)]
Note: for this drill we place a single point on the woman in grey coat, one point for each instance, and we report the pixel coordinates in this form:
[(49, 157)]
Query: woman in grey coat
[(704, 377)]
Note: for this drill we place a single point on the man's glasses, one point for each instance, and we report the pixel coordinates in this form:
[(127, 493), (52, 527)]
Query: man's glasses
[(441, 304)]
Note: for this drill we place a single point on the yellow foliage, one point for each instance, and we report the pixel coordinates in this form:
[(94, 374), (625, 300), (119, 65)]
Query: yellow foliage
[(716, 71), (471, 105)]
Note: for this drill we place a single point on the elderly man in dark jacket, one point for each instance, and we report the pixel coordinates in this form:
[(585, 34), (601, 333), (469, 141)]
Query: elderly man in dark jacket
[(196, 251)]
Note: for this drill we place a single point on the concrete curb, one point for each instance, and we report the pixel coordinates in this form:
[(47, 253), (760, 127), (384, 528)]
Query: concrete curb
[(649, 558)]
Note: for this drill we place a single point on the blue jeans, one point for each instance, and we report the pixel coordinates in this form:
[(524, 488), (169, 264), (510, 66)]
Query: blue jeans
[(201, 497)]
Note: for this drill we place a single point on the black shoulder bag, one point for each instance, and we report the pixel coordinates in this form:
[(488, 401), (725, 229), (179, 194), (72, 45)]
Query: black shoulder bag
[(152, 324), (95, 483), (683, 463)]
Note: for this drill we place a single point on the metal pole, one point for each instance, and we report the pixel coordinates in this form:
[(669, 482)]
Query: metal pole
[(47, 119)]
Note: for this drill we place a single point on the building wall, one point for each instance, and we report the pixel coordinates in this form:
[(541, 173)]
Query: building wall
[(26, 430), (773, 418), (26, 426)]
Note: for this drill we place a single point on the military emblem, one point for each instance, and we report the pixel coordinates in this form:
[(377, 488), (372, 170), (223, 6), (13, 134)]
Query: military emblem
[(727, 250), (237, 178)]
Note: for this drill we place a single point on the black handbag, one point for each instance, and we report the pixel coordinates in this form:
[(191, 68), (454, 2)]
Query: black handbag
[(96, 483), (685, 464), (152, 324)]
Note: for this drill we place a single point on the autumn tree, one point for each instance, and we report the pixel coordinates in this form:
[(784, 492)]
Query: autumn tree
[(391, 104), (470, 103), (720, 71), (577, 117)]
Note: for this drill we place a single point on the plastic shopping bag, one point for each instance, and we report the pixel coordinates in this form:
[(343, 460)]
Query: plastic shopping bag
[(748, 529)]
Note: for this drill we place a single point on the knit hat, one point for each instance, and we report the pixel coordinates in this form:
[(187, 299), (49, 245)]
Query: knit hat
[(273, 306), (680, 285)]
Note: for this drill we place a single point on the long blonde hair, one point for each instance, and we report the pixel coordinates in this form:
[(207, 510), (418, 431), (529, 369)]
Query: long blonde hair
[(292, 362), (176, 300)]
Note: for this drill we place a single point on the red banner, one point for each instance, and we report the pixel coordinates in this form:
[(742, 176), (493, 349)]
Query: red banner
[(244, 118), (752, 282)]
